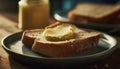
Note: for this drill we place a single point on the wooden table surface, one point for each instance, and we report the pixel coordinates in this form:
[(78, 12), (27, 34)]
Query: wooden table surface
[(8, 25)]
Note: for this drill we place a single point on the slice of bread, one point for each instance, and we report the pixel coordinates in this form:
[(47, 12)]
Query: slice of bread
[(82, 40), (94, 12), (29, 36)]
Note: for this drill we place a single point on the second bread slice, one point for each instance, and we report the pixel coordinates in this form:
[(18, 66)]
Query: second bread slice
[(94, 12)]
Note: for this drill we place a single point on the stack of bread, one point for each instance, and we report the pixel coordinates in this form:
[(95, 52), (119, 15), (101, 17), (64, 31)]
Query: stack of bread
[(98, 13), (60, 40)]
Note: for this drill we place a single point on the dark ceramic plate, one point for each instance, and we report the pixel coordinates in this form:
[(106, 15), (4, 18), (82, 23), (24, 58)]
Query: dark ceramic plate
[(13, 45), (109, 28)]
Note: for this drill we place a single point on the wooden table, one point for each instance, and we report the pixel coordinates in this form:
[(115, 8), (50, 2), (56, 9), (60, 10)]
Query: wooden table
[(8, 25)]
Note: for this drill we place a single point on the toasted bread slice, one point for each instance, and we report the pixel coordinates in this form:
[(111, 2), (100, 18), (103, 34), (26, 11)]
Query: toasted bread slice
[(82, 40), (94, 12), (29, 36)]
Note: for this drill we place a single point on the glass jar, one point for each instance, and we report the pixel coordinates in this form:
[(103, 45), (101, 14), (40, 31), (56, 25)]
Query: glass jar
[(33, 14)]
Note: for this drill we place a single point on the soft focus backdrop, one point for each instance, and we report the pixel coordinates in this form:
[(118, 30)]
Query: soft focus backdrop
[(12, 5)]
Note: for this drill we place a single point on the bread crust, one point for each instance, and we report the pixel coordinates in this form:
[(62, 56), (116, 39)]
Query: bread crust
[(115, 20)]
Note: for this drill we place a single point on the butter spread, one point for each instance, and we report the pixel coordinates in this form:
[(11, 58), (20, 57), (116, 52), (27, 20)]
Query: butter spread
[(59, 33)]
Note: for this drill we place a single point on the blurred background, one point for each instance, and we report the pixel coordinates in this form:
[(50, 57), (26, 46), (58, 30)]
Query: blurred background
[(68, 4), (12, 5)]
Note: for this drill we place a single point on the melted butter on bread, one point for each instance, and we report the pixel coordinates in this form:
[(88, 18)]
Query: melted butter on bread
[(59, 33)]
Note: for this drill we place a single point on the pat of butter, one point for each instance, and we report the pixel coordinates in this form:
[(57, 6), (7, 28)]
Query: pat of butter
[(59, 33)]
